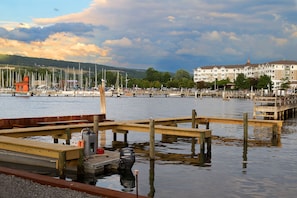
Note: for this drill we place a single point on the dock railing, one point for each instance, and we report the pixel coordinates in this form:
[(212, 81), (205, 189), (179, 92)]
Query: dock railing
[(275, 107)]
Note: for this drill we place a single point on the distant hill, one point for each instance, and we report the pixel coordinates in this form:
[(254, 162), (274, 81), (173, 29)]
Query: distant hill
[(35, 62)]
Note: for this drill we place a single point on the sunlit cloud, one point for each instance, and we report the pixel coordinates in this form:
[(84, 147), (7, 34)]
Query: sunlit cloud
[(60, 46), (123, 42), (279, 41)]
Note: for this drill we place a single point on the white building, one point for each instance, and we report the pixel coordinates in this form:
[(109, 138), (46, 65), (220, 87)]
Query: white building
[(278, 71)]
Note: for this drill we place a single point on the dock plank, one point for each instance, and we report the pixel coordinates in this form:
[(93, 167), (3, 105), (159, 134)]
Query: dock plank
[(168, 130), (38, 148)]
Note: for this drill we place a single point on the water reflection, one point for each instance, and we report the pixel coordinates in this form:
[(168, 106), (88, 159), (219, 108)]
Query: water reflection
[(152, 178), (127, 180), (244, 155)]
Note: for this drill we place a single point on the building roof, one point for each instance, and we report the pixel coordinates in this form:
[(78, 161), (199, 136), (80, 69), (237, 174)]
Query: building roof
[(281, 62), (284, 62), (229, 66)]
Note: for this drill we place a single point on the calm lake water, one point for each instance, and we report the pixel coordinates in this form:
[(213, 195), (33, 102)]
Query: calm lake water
[(271, 171)]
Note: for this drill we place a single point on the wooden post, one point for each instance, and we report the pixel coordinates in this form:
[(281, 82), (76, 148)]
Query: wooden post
[(80, 166), (126, 138), (62, 164), (102, 99), (275, 135), (207, 125), (245, 139), (193, 118), (244, 155), (68, 136), (95, 122), (95, 126), (102, 138), (114, 136), (208, 154), (202, 148), (152, 179), (193, 126), (152, 139)]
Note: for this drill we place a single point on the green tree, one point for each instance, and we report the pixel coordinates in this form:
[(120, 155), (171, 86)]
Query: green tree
[(241, 82), (285, 84), (181, 74), (201, 85), (165, 77), (172, 83), (222, 83), (152, 75), (264, 82)]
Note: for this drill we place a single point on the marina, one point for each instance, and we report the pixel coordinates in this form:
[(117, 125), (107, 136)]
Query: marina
[(62, 127), (138, 120)]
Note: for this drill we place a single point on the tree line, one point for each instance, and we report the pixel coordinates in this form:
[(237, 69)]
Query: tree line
[(240, 83), (151, 78)]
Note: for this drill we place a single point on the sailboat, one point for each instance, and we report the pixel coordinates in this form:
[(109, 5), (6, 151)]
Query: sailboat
[(117, 85)]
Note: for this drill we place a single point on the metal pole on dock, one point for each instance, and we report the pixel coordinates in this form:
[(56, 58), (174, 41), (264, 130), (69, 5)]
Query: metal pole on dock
[(152, 139)]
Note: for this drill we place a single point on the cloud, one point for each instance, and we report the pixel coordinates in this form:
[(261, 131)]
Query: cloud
[(60, 46), (28, 33), (279, 41), (123, 42), (171, 19), (140, 34), (223, 15)]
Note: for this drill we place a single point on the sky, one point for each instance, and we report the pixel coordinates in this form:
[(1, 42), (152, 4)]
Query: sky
[(166, 35)]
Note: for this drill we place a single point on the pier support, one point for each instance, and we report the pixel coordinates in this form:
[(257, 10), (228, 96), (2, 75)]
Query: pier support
[(202, 149), (117, 143), (275, 139), (80, 167), (193, 142), (152, 139), (245, 128), (62, 165)]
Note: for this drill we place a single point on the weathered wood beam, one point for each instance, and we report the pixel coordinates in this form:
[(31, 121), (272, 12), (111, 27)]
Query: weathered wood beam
[(168, 130)]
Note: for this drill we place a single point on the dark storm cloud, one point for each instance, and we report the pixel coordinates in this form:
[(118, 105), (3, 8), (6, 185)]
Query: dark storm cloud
[(41, 33)]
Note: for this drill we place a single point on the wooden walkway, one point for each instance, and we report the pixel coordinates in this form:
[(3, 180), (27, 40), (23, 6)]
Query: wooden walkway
[(277, 107)]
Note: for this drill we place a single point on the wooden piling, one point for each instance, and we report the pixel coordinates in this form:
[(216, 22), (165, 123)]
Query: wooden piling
[(193, 142), (62, 164), (275, 139), (245, 127), (102, 99), (68, 136), (152, 139), (80, 167), (202, 149), (152, 179), (208, 153), (95, 126), (245, 139)]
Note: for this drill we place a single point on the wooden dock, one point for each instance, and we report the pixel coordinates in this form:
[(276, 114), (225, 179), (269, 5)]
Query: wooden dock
[(62, 129), (277, 107), (64, 155)]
